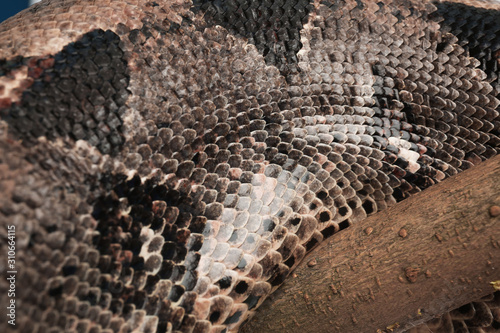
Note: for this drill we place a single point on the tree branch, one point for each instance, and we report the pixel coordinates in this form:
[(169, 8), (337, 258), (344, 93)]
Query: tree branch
[(431, 253)]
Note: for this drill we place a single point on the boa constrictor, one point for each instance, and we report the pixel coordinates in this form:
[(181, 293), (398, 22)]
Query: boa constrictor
[(165, 164)]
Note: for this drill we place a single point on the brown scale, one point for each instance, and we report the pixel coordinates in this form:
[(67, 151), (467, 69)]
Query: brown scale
[(172, 125)]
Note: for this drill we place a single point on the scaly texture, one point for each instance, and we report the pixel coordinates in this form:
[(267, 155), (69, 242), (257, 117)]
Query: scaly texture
[(166, 164)]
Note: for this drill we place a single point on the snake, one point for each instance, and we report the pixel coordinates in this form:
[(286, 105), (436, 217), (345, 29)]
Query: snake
[(166, 164)]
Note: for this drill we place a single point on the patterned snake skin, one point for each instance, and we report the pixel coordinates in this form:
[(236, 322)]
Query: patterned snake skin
[(167, 163)]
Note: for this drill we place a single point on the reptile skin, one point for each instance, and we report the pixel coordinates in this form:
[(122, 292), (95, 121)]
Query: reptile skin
[(167, 164)]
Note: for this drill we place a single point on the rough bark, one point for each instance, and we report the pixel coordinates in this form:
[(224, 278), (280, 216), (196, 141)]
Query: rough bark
[(436, 251)]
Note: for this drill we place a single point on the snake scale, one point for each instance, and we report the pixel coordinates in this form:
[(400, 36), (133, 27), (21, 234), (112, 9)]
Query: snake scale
[(166, 164)]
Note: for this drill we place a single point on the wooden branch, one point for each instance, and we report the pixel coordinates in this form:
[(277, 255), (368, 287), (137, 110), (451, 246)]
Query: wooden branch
[(424, 256)]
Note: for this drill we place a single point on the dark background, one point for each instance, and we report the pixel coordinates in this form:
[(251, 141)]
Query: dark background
[(10, 7)]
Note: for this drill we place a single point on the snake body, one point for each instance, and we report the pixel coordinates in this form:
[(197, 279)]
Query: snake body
[(166, 164)]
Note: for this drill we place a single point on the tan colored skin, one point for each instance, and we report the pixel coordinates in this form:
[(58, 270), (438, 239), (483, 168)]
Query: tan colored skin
[(45, 29)]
